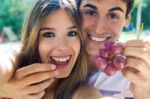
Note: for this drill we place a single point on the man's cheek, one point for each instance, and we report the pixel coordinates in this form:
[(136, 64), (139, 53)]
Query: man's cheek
[(86, 23)]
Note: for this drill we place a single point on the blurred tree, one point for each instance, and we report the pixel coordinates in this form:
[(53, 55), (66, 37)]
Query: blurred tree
[(141, 13), (12, 13)]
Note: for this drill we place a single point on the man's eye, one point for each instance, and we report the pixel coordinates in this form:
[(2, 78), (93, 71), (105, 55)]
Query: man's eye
[(72, 33), (91, 13), (113, 16), (48, 34)]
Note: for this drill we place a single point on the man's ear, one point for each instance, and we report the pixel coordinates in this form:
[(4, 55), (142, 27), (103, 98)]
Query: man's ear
[(127, 21)]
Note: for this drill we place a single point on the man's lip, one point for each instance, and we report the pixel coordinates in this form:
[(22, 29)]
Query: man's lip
[(98, 39)]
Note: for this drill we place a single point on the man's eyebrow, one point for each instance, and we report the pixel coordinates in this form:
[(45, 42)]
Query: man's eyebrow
[(116, 8), (90, 6)]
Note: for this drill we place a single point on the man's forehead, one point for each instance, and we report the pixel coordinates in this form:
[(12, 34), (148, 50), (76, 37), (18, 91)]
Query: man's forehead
[(90, 0), (98, 0), (108, 2), (109, 5)]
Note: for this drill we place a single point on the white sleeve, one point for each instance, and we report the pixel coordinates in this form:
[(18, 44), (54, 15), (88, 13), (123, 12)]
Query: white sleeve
[(116, 85)]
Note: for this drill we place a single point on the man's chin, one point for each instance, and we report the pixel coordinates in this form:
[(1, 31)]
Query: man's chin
[(91, 56), (92, 52)]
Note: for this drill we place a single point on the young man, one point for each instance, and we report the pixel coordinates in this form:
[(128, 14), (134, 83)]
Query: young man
[(104, 20)]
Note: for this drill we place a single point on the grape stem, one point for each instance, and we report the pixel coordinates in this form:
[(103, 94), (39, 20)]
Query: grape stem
[(140, 32)]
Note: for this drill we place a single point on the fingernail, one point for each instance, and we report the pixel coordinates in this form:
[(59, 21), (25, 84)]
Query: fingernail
[(53, 67), (56, 73)]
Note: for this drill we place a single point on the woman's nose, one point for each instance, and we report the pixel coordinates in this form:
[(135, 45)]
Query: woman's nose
[(62, 45)]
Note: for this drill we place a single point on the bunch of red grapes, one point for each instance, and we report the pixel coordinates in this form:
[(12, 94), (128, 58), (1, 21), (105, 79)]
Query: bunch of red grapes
[(110, 58)]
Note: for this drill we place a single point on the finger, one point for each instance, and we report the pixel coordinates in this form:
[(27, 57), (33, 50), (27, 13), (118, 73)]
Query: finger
[(36, 88), (30, 97), (138, 43), (39, 95), (139, 65), (34, 68), (131, 87), (133, 77), (142, 53), (107, 97), (36, 78)]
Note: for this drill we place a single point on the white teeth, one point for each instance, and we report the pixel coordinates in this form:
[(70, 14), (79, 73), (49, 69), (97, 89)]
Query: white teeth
[(64, 59), (98, 39)]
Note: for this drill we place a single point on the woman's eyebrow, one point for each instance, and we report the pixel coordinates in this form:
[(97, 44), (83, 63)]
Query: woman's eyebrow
[(45, 28), (72, 27)]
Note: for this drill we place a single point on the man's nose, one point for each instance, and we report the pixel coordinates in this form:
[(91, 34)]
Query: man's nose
[(100, 26)]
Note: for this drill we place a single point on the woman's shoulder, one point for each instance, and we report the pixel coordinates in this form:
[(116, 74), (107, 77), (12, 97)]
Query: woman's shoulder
[(86, 92)]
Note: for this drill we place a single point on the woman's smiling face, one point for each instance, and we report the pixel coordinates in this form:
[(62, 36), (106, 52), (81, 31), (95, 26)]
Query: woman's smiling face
[(59, 43)]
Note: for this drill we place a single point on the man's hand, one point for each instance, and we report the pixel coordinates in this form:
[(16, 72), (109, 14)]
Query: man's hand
[(138, 71)]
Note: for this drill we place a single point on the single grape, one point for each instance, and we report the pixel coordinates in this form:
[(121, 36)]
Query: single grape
[(110, 69), (105, 52), (120, 61), (117, 48), (108, 44), (100, 63)]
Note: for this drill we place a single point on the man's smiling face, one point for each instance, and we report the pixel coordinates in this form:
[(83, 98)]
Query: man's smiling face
[(103, 20)]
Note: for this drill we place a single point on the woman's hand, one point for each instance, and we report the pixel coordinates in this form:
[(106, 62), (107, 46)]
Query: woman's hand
[(138, 71), (31, 81)]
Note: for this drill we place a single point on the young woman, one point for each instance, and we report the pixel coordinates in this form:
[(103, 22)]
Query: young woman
[(52, 60)]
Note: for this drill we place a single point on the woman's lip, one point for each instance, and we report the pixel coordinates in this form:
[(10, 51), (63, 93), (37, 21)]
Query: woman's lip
[(60, 65), (60, 59)]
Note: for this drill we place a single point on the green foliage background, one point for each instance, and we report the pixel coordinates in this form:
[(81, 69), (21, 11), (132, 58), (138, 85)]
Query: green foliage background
[(13, 12), (145, 16)]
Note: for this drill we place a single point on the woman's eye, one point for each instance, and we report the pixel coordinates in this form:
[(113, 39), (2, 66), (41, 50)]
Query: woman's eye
[(48, 34), (72, 33), (90, 12)]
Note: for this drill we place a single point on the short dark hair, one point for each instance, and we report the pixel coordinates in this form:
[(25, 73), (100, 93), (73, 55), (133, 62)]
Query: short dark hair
[(129, 4)]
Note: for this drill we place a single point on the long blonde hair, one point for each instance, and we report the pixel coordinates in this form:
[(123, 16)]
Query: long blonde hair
[(30, 38)]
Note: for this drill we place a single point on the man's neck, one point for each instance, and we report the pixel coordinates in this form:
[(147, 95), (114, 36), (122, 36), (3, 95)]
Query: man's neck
[(91, 66)]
